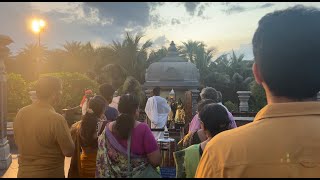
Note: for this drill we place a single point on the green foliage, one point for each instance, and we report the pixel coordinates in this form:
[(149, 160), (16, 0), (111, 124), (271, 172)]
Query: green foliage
[(156, 56), (258, 95), (228, 73), (232, 107), (29, 61), (74, 85), (18, 96), (196, 52), (130, 55)]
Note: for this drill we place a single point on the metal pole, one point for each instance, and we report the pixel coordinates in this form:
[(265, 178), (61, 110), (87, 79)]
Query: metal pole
[(39, 39)]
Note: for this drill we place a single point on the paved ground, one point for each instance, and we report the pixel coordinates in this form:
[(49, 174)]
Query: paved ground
[(12, 171)]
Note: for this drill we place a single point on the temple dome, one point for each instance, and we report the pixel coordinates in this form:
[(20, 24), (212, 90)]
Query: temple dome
[(172, 71)]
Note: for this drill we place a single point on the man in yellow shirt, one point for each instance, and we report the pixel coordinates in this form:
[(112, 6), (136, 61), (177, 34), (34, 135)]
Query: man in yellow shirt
[(42, 135), (283, 140)]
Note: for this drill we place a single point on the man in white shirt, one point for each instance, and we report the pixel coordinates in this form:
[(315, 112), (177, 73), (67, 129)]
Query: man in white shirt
[(157, 111)]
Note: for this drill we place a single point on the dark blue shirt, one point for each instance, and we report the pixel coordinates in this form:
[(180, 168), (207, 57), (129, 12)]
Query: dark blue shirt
[(111, 113)]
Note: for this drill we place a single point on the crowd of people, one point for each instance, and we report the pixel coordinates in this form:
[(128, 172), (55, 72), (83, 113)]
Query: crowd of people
[(110, 142)]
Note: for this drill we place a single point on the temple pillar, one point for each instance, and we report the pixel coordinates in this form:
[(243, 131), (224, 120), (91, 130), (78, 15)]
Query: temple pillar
[(244, 98)]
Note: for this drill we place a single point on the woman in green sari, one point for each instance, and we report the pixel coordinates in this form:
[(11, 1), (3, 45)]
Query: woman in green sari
[(214, 119)]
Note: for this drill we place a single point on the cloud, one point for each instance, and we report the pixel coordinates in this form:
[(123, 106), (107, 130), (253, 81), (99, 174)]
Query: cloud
[(160, 41), (175, 21), (201, 9), (266, 5), (235, 9), (157, 21), (75, 22), (191, 7), (121, 14), (155, 5)]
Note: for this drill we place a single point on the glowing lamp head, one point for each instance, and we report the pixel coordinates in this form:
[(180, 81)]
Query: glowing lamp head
[(37, 25), (41, 23)]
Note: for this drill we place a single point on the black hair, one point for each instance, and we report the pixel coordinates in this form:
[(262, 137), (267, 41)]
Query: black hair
[(156, 91), (47, 86), (128, 104), (286, 49), (90, 120), (215, 118), (107, 91)]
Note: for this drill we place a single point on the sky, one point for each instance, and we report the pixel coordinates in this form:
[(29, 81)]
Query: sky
[(225, 26)]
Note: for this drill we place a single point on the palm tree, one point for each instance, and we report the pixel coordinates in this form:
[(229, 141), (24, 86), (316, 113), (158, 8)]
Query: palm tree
[(30, 59), (238, 65), (156, 56), (73, 48), (197, 53), (189, 49), (131, 56), (79, 57)]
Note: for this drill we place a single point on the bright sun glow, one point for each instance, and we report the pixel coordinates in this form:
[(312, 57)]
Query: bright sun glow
[(37, 25)]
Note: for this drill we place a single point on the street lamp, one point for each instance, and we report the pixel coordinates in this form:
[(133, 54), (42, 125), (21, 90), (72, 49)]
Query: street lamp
[(37, 26)]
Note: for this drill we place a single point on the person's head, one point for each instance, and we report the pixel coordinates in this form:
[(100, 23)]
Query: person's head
[(156, 91), (219, 96), (214, 119), (115, 75), (129, 112), (107, 91), (132, 86), (95, 111), (204, 102), (49, 89), (286, 52), (88, 93), (209, 93)]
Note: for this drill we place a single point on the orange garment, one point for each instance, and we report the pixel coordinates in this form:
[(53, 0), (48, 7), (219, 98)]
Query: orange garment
[(88, 165), (83, 164), (283, 141)]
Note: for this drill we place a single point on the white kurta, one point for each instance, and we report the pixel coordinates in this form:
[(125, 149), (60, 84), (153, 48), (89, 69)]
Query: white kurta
[(157, 111)]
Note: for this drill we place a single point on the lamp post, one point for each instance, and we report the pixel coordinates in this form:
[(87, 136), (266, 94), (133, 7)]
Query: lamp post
[(37, 26)]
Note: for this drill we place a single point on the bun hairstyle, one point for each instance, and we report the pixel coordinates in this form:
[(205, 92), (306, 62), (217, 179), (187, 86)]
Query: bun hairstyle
[(128, 104)]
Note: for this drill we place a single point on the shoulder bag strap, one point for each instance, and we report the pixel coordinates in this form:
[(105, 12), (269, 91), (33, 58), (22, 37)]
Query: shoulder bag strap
[(128, 154)]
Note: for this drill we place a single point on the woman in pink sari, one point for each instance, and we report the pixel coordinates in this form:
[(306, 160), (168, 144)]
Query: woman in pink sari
[(112, 158)]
